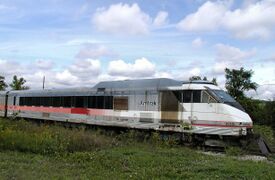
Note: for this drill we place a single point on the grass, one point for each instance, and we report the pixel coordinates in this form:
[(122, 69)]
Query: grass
[(138, 162), (30, 151)]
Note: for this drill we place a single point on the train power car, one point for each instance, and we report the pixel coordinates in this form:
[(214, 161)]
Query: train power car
[(191, 107)]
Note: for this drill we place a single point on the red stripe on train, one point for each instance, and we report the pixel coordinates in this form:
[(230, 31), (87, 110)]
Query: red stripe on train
[(2, 107), (84, 111)]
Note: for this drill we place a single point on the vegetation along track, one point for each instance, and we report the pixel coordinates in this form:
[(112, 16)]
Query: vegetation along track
[(234, 146)]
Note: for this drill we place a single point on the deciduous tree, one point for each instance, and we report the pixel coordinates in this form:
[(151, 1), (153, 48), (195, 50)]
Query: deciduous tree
[(18, 83), (194, 78), (3, 85), (239, 81)]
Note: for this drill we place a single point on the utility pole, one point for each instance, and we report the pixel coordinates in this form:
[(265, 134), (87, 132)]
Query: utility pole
[(43, 82)]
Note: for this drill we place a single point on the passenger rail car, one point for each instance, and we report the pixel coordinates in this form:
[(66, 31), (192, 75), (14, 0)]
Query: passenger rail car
[(197, 107)]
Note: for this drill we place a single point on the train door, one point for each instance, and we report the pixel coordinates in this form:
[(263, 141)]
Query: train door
[(169, 107)]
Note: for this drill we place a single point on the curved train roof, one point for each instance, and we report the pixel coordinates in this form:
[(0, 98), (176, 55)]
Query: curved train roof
[(139, 84), (109, 86)]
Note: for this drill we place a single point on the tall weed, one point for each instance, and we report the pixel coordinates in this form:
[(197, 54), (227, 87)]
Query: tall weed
[(26, 136)]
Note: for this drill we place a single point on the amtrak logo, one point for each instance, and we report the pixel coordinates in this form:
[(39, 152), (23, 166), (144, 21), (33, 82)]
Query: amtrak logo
[(146, 103)]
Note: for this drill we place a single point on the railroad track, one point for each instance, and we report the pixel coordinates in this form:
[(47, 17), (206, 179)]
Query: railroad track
[(255, 145)]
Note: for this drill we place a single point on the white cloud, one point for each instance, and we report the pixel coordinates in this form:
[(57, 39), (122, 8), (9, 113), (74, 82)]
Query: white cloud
[(161, 19), (44, 64), (230, 57), (85, 69), (93, 51), (140, 68), (264, 73), (208, 17), (77, 42), (66, 78), (266, 92), (10, 68), (231, 53), (195, 72), (219, 67), (122, 19), (197, 43), (161, 74), (253, 20), (79, 73)]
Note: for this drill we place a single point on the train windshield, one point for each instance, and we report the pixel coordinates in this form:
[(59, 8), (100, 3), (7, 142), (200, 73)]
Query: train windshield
[(227, 99), (224, 96)]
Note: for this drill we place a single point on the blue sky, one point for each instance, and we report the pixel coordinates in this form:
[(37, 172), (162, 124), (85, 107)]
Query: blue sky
[(77, 43)]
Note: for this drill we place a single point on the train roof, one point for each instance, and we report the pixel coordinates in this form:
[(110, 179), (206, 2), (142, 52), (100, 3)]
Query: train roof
[(123, 85), (139, 84)]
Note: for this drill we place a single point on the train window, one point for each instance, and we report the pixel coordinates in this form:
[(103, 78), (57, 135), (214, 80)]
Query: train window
[(56, 102), (79, 101), (50, 101), (43, 101), (178, 95), (73, 101), (36, 101), (86, 98), (206, 98), (25, 101), (67, 101), (196, 96), (121, 103), (33, 99), (29, 101), (46, 101), (22, 101), (100, 102), (187, 96), (92, 101), (39, 101), (108, 102), (212, 100)]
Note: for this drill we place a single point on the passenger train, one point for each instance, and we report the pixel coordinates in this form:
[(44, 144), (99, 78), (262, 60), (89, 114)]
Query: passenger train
[(185, 107)]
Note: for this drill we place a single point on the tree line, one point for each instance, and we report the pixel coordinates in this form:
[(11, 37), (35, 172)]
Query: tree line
[(16, 84)]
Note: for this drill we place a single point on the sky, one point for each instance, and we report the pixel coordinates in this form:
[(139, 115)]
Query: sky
[(80, 43)]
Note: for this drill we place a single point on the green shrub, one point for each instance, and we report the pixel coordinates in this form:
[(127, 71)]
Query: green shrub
[(265, 131), (233, 151), (155, 139), (26, 136)]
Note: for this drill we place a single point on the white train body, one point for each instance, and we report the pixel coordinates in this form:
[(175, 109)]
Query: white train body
[(197, 107)]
